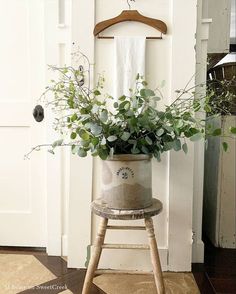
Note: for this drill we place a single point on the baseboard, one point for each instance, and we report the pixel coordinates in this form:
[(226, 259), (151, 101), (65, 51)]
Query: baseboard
[(198, 252)]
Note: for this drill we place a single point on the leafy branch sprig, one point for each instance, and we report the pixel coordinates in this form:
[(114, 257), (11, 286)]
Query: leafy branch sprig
[(135, 124)]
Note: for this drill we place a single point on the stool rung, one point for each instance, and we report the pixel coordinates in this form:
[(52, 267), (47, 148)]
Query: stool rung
[(126, 246), (128, 272), (126, 228)]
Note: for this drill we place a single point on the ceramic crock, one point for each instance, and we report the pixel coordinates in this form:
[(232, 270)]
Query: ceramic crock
[(127, 181)]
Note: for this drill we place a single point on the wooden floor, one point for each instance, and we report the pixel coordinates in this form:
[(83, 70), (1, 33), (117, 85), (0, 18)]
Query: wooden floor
[(72, 278), (218, 274)]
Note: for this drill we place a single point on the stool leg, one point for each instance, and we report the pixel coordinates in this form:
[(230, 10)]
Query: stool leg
[(93, 263), (155, 256)]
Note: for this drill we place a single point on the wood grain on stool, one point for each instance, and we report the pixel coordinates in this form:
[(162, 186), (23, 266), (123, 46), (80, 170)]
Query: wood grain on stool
[(156, 264), (100, 209), (93, 264)]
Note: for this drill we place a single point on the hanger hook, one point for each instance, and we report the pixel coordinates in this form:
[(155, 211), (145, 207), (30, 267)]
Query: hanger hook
[(128, 2)]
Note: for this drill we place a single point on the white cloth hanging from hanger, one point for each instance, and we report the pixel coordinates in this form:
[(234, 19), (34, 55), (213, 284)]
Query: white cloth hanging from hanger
[(130, 55)]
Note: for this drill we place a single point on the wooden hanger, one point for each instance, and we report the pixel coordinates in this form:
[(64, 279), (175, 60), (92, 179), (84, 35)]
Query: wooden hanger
[(130, 15)]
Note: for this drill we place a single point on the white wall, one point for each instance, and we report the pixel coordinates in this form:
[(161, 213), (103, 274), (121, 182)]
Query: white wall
[(171, 59)]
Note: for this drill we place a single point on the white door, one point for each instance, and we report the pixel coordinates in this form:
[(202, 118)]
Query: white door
[(22, 72), (173, 177)]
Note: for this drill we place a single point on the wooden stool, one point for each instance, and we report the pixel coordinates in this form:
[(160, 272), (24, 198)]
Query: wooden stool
[(100, 209)]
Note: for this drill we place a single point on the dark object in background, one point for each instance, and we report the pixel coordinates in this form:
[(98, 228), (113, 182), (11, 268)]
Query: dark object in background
[(222, 80), (38, 113)]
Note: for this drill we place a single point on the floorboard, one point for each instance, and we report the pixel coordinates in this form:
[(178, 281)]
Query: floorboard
[(218, 273)]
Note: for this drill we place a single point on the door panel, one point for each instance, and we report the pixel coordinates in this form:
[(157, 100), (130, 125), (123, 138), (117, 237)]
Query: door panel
[(22, 182)]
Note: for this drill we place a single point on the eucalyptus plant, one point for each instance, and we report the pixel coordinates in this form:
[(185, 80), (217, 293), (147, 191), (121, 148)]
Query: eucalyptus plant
[(90, 121)]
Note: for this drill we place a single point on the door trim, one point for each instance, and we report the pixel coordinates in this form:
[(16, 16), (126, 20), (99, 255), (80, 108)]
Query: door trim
[(81, 169)]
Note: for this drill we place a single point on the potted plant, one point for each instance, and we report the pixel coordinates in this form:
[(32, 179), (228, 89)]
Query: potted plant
[(125, 132)]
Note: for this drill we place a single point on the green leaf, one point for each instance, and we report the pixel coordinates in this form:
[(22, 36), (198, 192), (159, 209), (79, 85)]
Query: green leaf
[(94, 153), (185, 148), (160, 132), (225, 146), (217, 132), (104, 115), (135, 151), (132, 142), (73, 135), (233, 130), (163, 83), (74, 149), (169, 115), (95, 129), (122, 98), (115, 104), (130, 113), (148, 140), (177, 145), (193, 131), (196, 137), (143, 121), (103, 154), (51, 151), (84, 135), (57, 143), (168, 128), (145, 150), (179, 124), (95, 108), (74, 117), (111, 152), (97, 93), (104, 141), (85, 143), (147, 92), (127, 106), (112, 138), (124, 105), (156, 98), (125, 136), (168, 146), (82, 153), (186, 115), (207, 108), (144, 83), (157, 155), (94, 141)]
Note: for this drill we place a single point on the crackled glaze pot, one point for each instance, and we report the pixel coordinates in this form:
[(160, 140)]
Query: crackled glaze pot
[(127, 181)]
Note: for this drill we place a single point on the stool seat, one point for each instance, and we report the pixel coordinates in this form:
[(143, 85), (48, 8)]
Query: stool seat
[(100, 208)]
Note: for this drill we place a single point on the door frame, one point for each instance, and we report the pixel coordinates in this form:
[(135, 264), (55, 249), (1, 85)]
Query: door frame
[(81, 169), (57, 35)]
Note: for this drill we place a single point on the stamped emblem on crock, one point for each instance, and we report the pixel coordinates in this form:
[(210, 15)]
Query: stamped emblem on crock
[(125, 173)]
